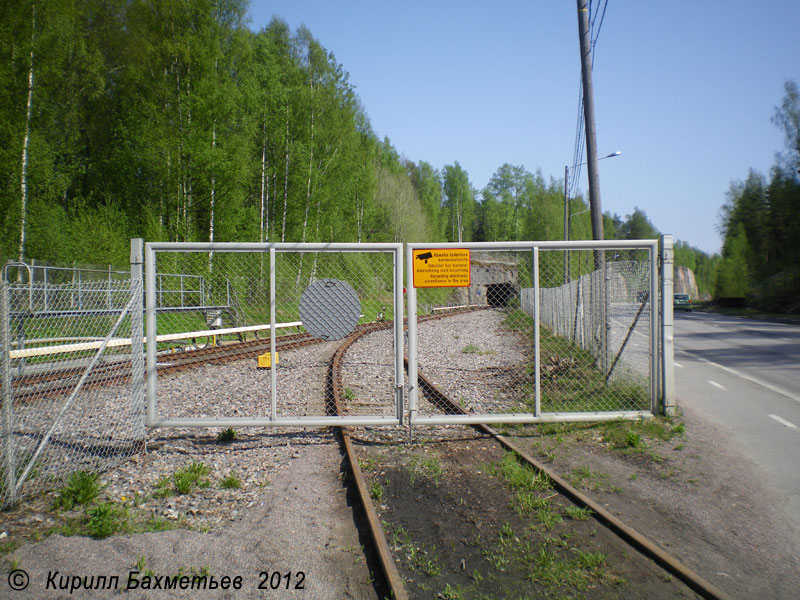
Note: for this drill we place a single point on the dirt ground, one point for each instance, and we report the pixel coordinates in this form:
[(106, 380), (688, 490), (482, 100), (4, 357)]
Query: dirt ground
[(455, 526), (455, 531), (698, 498)]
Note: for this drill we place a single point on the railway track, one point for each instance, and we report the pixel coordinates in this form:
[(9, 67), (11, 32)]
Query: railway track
[(34, 384), (394, 580)]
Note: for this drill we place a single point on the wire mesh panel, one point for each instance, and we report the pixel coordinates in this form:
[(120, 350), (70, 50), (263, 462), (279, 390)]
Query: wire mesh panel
[(538, 331), (252, 342), (66, 381), (474, 343), (596, 335)]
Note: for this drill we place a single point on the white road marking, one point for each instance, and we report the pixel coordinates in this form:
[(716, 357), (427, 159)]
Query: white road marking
[(635, 331), (783, 421), (749, 378), (677, 364), (719, 385)]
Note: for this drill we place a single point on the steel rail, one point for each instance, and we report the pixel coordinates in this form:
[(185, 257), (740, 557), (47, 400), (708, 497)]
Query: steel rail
[(635, 539), (335, 388), (392, 575)]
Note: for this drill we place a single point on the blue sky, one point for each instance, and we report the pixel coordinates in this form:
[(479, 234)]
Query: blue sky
[(685, 89)]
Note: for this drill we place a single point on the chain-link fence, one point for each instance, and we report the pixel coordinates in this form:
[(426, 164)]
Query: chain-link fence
[(66, 371), (596, 335), (261, 328), (537, 332)]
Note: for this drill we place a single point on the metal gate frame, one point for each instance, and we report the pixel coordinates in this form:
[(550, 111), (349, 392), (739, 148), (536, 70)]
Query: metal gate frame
[(537, 416), (273, 419)]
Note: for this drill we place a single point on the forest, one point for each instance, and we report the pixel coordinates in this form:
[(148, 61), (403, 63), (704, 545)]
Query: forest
[(173, 121), (760, 224)]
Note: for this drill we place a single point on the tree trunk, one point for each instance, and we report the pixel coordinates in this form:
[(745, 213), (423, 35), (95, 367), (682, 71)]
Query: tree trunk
[(264, 223), (23, 184), (285, 178), (308, 189), (213, 200)]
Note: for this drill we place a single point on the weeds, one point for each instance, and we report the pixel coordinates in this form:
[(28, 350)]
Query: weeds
[(183, 481), (376, 491), (429, 467), (81, 489), (105, 519), (595, 481), (231, 482), (521, 477), (226, 435), (577, 513)]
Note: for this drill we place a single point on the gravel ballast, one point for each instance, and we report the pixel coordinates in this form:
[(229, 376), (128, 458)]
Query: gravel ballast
[(292, 512)]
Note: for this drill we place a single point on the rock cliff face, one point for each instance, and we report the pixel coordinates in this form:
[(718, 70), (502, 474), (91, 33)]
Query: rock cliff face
[(684, 282)]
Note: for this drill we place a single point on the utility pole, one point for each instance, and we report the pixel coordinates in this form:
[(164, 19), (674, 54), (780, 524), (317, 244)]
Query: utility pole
[(566, 223), (599, 285), (588, 117)]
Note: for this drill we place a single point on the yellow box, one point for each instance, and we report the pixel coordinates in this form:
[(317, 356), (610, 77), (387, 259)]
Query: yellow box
[(265, 360)]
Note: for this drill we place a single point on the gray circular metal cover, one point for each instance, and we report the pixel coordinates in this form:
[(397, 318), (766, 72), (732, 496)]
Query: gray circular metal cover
[(329, 309)]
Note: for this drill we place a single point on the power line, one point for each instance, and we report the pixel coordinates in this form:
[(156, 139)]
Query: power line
[(580, 140)]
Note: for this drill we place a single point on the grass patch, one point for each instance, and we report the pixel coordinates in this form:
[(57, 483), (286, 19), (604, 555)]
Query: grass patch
[(226, 435), (184, 481), (418, 556), (584, 477), (231, 482), (376, 491), (570, 380), (367, 464), (105, 519), (576, 513), (519, 476), (81, 489), (473, 349), (426, 466)]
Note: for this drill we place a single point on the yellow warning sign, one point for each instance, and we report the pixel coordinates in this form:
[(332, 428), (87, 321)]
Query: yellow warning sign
[(441, 267)]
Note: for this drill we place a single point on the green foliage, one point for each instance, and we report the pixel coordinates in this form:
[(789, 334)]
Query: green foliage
[(226, 435), (760, 223), (184, 480), (376, 491), (81, 489), (521, 477), (105, 519), (231, 482), (173, 121)]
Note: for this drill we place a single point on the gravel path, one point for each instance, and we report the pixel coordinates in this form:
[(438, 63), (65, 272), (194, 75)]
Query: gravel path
[(290, 514)]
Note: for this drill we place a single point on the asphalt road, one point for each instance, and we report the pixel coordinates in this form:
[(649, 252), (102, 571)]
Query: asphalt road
[(744, 374)]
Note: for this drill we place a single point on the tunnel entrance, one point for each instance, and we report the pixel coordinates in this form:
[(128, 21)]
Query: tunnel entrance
[(500, 294)]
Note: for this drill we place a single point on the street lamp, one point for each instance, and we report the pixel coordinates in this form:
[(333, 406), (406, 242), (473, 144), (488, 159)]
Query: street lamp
[(567, 218)]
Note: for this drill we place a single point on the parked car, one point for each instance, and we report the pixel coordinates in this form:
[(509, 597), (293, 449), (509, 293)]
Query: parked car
[(681, 302)]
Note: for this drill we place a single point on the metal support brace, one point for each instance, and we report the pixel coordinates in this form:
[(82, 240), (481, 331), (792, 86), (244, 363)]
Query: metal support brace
[(9, 466)]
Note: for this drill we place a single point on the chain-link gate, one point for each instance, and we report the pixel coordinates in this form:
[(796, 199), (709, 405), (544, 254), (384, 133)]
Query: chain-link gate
[(67, 371), (535, 331), (246, 338)]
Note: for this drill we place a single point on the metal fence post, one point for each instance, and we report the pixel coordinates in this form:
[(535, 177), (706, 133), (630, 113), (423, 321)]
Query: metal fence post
[(137, 342), (150, 365), (273, 318), (537, 310), (668, 400), (9, 466), (411, 302), (397, 263)]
